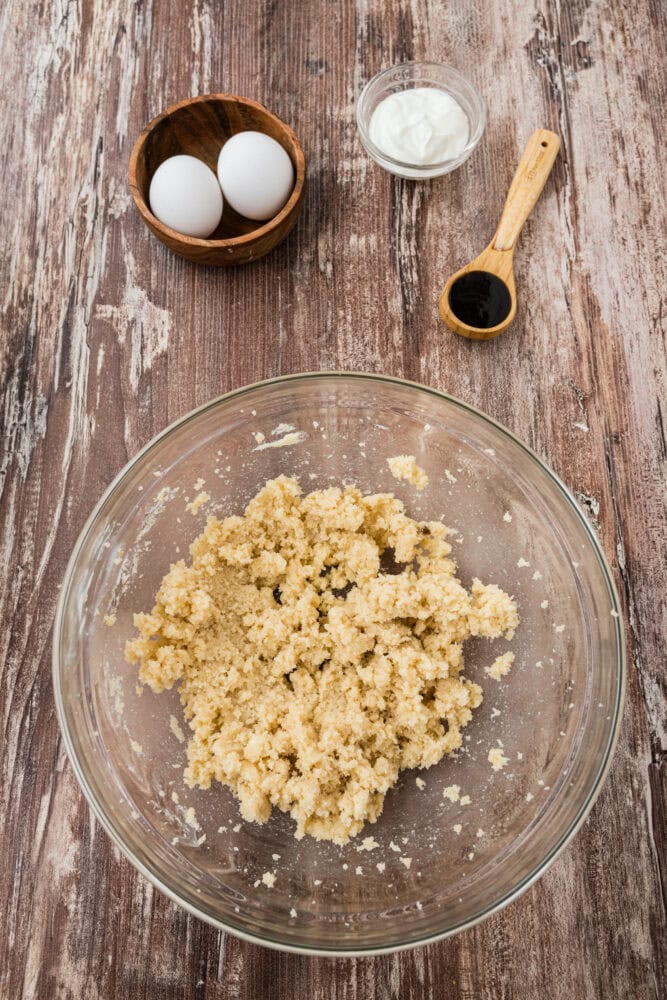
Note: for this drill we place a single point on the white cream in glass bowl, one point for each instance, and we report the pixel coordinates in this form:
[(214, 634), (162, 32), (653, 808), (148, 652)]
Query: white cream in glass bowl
[(420, 120)]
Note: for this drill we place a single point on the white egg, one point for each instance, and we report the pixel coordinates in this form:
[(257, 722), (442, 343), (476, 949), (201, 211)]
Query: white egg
[(185, 195), (256, 175)]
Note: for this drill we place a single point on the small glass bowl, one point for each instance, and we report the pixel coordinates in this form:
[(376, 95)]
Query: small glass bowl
[(407, 76)]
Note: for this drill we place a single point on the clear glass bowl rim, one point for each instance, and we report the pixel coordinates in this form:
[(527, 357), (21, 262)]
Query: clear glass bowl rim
[(426, 168), (539, 869)]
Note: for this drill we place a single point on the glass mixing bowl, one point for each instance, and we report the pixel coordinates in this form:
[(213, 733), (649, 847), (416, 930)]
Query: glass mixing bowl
[(556, 715)]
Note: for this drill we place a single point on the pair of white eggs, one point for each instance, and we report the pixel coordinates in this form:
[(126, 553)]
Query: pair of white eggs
[(255, 176)]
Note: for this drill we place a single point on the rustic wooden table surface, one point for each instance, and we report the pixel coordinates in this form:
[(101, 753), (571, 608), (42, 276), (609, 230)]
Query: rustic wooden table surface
[(106, 338)]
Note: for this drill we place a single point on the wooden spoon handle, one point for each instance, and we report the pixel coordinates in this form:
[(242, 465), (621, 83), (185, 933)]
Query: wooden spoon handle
[(529, 179)]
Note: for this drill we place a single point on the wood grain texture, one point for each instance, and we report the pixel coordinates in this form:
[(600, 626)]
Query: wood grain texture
[(106, 337)]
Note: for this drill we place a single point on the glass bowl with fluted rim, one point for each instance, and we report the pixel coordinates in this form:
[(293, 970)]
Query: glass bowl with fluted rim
[(407, 76), (555, 716)]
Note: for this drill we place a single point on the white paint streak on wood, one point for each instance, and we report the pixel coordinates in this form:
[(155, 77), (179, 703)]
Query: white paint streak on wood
[(133, 45), (146, 325), (201, 30)]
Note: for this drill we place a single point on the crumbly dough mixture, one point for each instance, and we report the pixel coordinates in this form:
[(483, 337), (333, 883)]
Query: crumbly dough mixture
[(405, 467), (318, 644), (500, 667), (497, 758)]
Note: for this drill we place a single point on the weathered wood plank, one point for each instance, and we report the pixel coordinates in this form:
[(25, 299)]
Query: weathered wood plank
[(106, 338)]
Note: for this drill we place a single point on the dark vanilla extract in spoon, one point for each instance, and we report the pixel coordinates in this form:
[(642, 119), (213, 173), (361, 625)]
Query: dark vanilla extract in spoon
[(479, 301)]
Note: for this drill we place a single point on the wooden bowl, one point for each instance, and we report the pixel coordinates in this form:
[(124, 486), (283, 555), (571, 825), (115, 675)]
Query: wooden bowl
[(200, 126)]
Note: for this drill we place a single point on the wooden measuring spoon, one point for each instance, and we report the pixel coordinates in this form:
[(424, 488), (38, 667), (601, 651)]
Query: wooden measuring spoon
[(479, 301)]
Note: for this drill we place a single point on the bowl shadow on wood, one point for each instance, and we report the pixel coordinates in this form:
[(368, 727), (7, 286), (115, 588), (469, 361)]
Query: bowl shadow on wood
[(199, 127)]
